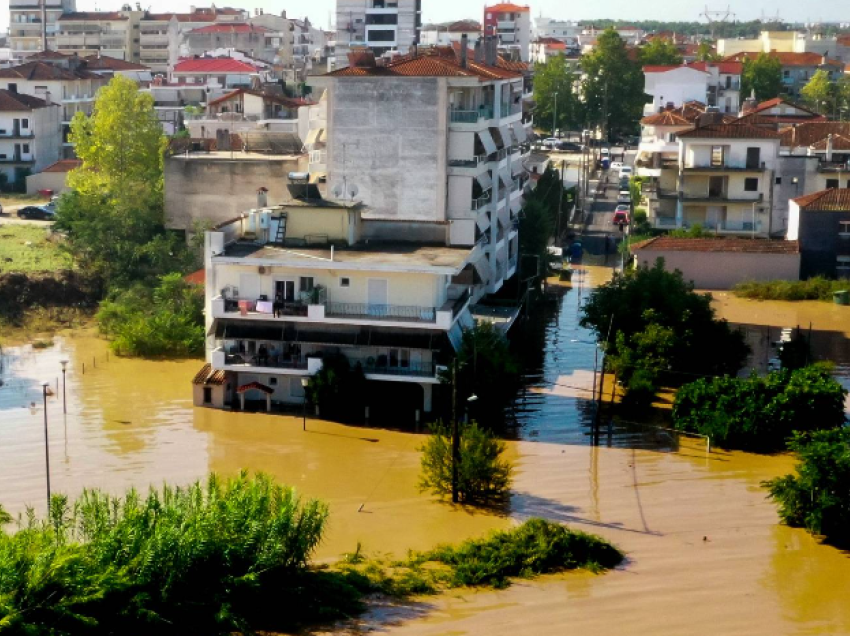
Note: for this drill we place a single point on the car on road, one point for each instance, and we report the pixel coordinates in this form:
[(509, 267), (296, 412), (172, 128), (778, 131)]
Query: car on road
[(624, 197), (568, 146), (625, 171), (550, 142), (621, 215), (617, 165), (43, 213)]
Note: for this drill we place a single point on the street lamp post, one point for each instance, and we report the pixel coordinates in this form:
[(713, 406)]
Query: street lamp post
[(46, 445), (554, 113), (305, 382), (64, 364)]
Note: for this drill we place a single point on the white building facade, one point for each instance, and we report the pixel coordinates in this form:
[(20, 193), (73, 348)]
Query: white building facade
[(379, 25), (30, 135)]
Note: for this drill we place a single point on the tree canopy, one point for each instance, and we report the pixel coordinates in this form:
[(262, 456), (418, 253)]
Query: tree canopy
[(613, 86), (706, 52), (762, 75), (819, 92), (660, 51), (554, 97)]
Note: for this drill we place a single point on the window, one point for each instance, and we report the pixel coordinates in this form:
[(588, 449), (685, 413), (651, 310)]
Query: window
[(345, 281), (831, 183), (751, 185), (272, 381), (207, 395), (844, 228), (778, 180), (305, 284), (717, 156), (842, 265), (25, 123)]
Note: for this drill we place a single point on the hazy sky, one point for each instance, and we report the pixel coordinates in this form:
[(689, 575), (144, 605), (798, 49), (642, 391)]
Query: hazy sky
[(444, 10)]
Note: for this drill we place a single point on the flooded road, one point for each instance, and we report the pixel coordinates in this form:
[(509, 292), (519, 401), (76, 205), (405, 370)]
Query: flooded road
[(706, 552)]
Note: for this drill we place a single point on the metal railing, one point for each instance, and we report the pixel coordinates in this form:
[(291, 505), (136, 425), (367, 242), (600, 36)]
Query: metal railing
[(369, 311), (460, 302), (380, 365), (468, 163), (273, 361), (726, 165), (460, 116), (481, 201)]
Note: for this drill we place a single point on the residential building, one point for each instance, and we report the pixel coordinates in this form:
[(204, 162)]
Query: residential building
[(714, 84), (53, 178), (431, 143), (798, 68), (562, 30), (511, 25), (448, 34), (109, 67), (820, 221), (255, 41), (378, 25), (544, 49), (722, 262), (225, 72), (246, 110), (777, 112), (25, 25), (658, 153), (112, 33), (291, 285), (30, 135), (72, 87), (787, 42)]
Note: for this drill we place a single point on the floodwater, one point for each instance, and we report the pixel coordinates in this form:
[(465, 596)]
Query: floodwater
[(706, 553)]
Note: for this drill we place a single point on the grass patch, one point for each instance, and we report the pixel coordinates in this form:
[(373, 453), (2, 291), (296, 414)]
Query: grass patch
[(27, 249), (817, 288), (16, 198)]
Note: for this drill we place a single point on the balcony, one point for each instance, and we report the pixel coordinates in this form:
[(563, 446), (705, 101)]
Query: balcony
[(481, 202), (273, 361), (720, 197), (16, 134), (833, 166), (476, 161), (727, 166), (395, 313), (382, 365), (457, 116), (16, 159)]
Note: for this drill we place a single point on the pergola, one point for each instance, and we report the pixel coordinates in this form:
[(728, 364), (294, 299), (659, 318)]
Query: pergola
[(255, 386)]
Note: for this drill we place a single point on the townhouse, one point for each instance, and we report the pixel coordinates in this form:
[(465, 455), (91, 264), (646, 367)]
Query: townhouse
[(30, 136), (222, 72), (714, 84), (253, 40)]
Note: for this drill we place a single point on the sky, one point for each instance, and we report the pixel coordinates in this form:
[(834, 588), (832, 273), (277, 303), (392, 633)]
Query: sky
[(446, 10)]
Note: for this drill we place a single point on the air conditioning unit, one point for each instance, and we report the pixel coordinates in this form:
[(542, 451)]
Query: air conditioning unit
[(261, 269)]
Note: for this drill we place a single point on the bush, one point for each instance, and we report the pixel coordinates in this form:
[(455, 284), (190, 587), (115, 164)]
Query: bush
[(817, 498), (166, 320), (208, 558), (760, 414), (817, 288), (483, 476), (338, 389)]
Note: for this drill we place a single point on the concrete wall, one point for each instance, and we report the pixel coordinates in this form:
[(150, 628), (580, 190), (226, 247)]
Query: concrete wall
[(676, 86), (387, 136), (217, 396), (821, 241), (215, 188), (47, 181), (722, 270), (804, 170)]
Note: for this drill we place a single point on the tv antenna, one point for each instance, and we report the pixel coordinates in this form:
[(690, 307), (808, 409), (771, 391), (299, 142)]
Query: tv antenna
[(717, 17)]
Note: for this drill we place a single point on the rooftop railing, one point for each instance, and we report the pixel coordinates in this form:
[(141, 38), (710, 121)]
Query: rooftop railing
[(369, 311)]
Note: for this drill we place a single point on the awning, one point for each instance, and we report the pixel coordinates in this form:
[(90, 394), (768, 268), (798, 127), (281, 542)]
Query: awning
[(483, 222), (519, 131), (517, 168), (505, 176), (251, 386), (484, 180), (487, 141), (505, 131), (516, 205), (323, 136), (312, 136)]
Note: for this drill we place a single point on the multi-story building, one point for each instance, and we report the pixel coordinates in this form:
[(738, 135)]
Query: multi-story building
[(289, 286), (448, 34), (25, 25), (563, 30), (255, 41), (798, 68), (714, 84), (72, 87), (511, 24), (379, 25), (30, 135), (112, 33), (788, 42), (821, 222), (434, 141)]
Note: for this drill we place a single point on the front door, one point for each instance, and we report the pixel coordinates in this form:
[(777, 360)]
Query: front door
[(377, 294), (753, 158), (284, 290)]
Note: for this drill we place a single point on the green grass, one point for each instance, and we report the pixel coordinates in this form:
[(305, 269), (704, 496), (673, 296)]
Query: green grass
[(27, 249), (17, 198), (817, 288)]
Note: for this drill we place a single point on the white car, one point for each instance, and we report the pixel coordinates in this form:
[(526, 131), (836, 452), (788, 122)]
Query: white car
[(550, 142), (626, 171), (624, 197), (604, 152), (617, 165)]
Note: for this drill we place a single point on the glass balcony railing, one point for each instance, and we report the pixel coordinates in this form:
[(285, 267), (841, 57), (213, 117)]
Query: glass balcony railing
[(459, 116)]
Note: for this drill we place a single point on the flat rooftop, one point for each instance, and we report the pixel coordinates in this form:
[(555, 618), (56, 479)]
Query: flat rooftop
[(374, 255), (236, 155)]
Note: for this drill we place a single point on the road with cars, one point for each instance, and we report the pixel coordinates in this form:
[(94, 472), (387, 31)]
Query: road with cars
[(9, 215)]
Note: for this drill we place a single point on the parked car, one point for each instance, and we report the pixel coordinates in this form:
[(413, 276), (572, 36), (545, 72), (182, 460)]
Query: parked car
[(604, 152), (621, 215), (568, 146), (624, 197), (617, 165), (43, 213), (550, 142), (625, 171)]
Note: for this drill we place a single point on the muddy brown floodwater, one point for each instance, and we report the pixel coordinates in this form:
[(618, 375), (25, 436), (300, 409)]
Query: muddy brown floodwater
[(706, 552)]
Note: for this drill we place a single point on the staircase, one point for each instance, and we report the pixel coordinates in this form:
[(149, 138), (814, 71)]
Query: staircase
[(280, 236)]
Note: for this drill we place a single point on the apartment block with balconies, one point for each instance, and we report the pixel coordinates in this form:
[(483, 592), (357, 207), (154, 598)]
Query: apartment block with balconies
[(30, 135), (511, 25), (379, 25), (111, 33), (25, 25), (289, 286)]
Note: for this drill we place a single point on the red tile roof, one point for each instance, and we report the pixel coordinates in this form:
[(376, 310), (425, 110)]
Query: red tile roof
[(41, 71), (255, 385), (667, 118), (741, 245), (839, 142), (208, 375), (811, 132), (197, 277), (729, 131), (63, 165), (832, 200), (463, 26), (214, 65), (47, 55), (230, 27), (787, 59), (506, 7), (778, 101), (11, 101), (432, 62), (106, 63), (93, 15), (283, 100)]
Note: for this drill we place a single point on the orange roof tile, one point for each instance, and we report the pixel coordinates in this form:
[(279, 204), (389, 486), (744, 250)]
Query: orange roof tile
[(667, 118), (506, 7), (839, 142), (63, 165), (719, 244), (832, 200), (811, 132), (429, 63), (208, 375), (729, 131)]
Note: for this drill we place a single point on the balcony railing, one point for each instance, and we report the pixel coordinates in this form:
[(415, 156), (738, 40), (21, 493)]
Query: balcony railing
[(272, 361), (468, 163), (460, 303), (481, 201), (367, 311), (833, 166), (458, 116), (726, 166), (380, 365)]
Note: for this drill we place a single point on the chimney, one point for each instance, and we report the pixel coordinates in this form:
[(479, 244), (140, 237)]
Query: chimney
[(490, 51), (829, 148), (464, 50), (479, 51), (823, 59), (262, 197)]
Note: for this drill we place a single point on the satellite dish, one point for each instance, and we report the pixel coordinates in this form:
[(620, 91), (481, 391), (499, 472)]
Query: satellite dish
[(337, 191), (353, 190)]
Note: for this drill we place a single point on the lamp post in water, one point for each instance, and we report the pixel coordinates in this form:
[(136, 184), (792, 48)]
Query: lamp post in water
[(64, 364), (44, 391), (305, 382)]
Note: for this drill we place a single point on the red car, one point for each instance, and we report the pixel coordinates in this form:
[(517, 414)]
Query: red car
[(621, 215)]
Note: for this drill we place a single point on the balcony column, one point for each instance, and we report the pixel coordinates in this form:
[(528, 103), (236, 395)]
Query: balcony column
[(427, 397), (680, 211)]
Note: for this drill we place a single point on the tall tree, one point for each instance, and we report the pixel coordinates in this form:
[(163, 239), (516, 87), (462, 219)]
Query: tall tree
[(819, 92), (762, 75), (842, 97), (114, 214), (554, 97), (660, 51), (706, 52), (613, 85)]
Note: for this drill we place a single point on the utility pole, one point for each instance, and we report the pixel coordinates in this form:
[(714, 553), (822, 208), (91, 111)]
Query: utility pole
[(46, 446), (43, 8), (555, 113), (455, 434)]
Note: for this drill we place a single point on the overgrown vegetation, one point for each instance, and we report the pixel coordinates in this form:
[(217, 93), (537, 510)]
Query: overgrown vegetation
[(761, 413), (484, 477), (164, 320), (657, 330), (817, 288), (817, 497), (29, 249), (230, 556)]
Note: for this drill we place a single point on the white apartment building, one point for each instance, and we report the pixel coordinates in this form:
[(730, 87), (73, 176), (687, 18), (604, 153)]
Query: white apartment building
[(448, 34), (112, 33), (30, 135), (433, 144), (511, 24), (288, 286), (716, 84), (25, 33), (563, 30), (379, 25)]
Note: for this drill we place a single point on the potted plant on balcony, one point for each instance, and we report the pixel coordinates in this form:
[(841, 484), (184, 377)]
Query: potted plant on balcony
[(317, 294)]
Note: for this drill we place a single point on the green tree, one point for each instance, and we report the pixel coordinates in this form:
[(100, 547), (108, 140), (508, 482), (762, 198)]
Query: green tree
[(660, 52), (706, 52), (817, 497), (819, 92), (535, 230), (636, 299), (554, 97), (640, 360), (760, 413), (842, 96), (338, 389), (483, 475), (612, 89), (762, 75)]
